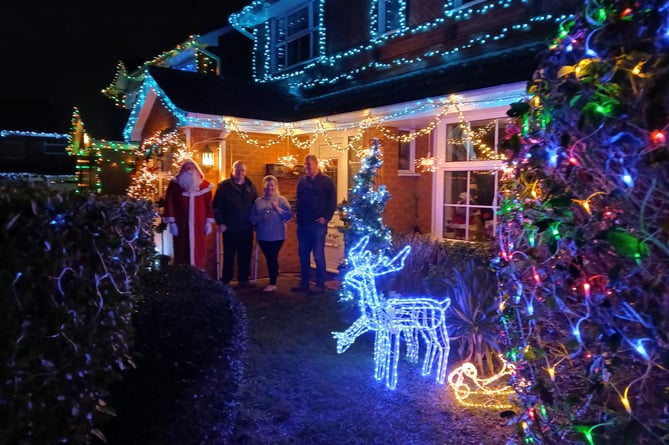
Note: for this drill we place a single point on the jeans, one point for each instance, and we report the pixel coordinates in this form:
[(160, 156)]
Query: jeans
[(239, 245), (311, 238), (271, 251)]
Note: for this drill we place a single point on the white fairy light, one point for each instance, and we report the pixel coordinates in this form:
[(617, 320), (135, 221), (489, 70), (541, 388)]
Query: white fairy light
[(394, 319)]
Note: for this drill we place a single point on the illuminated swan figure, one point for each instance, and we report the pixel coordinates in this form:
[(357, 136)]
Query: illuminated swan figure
[(413, 319)]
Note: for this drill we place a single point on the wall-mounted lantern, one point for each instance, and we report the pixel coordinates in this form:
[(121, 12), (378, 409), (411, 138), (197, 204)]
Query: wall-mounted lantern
[(207, 159)]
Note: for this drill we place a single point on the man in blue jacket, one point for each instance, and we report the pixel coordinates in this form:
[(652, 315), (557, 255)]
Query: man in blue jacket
[(232, 203), (316, 203)]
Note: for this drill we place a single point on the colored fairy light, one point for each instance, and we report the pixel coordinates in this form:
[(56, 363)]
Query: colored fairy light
[(551, 372), (627, 178), (535, 274), (393, 319), (586, 290), (658, 137)]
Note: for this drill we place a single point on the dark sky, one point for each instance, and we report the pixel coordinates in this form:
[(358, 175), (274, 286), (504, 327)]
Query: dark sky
[(57, 55)]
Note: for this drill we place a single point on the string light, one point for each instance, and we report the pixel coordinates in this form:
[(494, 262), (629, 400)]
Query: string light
[(490, 392), (393, 319)]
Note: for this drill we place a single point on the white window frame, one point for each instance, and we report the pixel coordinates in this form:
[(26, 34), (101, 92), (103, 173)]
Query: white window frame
[(411, 171), (379, 17), (312, 31), (440, 137)]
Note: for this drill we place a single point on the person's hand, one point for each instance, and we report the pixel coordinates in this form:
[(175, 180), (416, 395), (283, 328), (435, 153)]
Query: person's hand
[(174, 230), (276, 206), (207, 228), (222, 228), (320, 220)]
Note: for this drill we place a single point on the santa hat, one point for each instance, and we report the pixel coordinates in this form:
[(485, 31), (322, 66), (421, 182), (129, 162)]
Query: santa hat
[(190, 161)]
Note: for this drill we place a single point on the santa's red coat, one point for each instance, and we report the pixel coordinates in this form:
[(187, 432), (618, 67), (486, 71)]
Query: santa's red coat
[(191, 212)]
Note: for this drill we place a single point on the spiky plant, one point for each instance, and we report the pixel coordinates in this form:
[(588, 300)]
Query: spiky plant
[(473, 316)]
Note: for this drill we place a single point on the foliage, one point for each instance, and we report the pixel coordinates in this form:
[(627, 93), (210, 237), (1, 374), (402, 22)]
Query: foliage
[(457, 270), (432, 264), (66, 300), (366, 204), (584, 263), (190, 343), (473, 316)]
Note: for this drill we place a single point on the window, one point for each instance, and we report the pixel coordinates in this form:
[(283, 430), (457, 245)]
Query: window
[(470, 179), (387, 16), (406, 154), (294, 37)]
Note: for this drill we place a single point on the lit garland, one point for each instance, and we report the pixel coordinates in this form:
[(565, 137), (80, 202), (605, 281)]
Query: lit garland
[(582, 236), (154, 149), (393, 319), (366, 204), (252, 16)]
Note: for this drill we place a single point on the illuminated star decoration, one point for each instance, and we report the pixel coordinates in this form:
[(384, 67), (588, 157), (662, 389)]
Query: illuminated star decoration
[(394, 319)]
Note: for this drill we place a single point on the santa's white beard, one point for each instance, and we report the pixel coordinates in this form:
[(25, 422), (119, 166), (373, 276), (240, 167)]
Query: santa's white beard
[(189, 181)]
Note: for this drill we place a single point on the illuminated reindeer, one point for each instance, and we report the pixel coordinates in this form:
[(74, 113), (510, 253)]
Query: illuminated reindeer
[(413, 319)]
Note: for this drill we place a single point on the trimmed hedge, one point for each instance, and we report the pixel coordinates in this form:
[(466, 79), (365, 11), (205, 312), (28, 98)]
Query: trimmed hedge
[(190, 340), (66, 300)]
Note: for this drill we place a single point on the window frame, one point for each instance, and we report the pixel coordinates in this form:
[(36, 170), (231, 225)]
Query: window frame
[(411, 171), (379, 11), (441, 205), (311, 31)]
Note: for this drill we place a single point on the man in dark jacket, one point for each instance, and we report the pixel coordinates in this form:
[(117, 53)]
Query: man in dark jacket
[(316, 203), (232, 203)]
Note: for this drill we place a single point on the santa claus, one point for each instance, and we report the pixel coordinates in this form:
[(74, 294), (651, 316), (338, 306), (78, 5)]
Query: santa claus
[(189, 214)]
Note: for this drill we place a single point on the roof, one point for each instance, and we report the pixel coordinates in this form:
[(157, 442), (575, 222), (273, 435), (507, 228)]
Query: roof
[(220, 96)]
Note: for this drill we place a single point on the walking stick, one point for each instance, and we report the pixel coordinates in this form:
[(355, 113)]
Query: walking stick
[(219, 254), (255, 265)]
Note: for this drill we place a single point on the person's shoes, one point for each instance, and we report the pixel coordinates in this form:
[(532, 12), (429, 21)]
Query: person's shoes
[(269, 288), (316, 290), (245, 285), (299, 288)]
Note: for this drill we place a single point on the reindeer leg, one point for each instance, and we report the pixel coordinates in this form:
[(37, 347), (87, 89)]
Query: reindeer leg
[(391, 377)]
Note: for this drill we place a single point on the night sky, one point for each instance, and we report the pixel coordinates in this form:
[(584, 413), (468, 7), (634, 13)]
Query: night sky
[(57, 55)]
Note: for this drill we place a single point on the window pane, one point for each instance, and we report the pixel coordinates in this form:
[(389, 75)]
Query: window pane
[(483, 139), (469, 205), (299, 50), (458, 148), (405, 158), (280, 30), (298, 21)]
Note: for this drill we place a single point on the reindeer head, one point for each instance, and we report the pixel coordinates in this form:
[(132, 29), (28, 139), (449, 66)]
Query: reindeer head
[(365, 267)]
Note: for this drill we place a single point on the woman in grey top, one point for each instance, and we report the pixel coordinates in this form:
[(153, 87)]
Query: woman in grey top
[(270, 213)]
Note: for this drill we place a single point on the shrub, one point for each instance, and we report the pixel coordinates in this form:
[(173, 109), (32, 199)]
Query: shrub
[(473, 316), (190, 341), (457, 270), (66, 301)]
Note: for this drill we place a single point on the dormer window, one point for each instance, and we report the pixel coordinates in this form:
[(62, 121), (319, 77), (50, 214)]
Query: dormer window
[(387, 16), (294, 37)]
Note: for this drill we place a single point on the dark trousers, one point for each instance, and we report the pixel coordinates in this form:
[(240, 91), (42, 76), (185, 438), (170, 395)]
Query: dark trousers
[(271, 251), (311, 238), (237, 245)]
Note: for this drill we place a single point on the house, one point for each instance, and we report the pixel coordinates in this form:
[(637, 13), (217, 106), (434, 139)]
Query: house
[(64, 160), (431, 79)]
